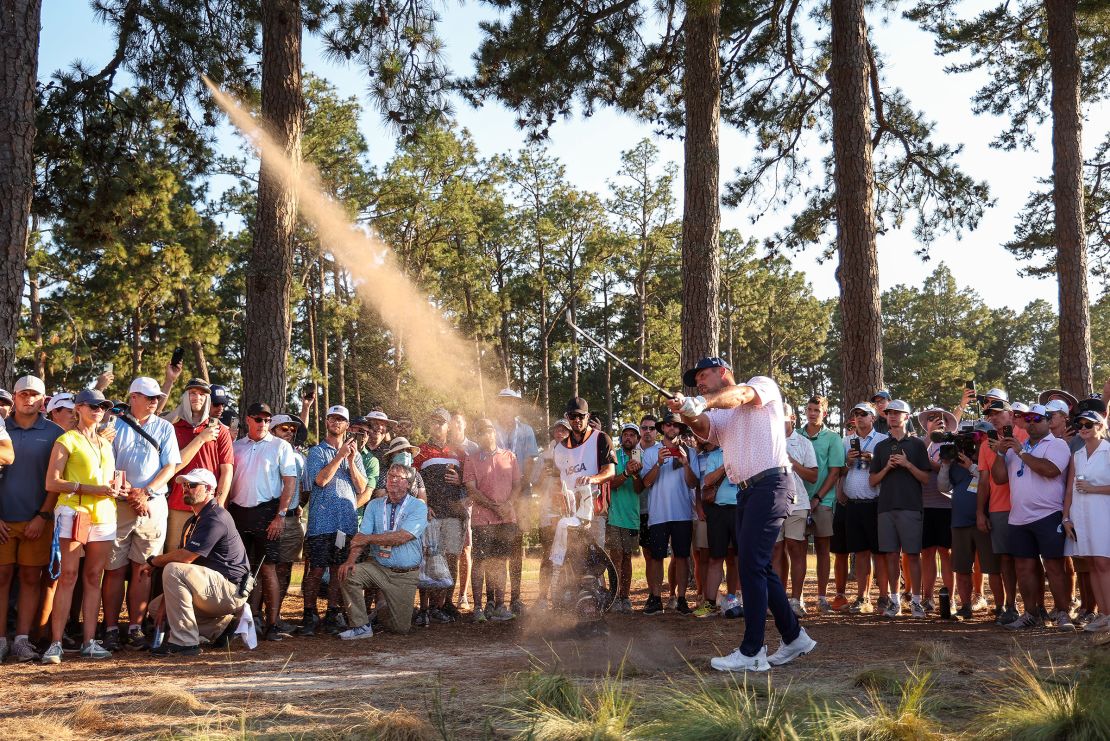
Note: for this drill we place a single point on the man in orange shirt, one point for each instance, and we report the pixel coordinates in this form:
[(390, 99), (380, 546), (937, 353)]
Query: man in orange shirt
[(994, 513)]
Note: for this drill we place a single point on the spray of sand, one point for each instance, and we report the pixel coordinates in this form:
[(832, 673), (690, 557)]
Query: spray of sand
[(437, 355)]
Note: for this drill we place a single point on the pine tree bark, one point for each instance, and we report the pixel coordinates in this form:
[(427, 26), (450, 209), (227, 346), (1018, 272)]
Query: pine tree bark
[(858, 271), (701, 212), (1067, 196), (19, 55), (270, 265)]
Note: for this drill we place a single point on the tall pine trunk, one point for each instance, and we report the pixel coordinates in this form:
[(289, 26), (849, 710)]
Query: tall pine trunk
[(270, 266), (19, 55), (1067, 197), (701, 211), (858, 272)]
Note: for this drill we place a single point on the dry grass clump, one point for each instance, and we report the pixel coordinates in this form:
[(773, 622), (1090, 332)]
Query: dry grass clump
[(879, 679), (36, 727), (169, 700), (909, 719), (722, 712), (552, 708), (396, 725), (935, 652)]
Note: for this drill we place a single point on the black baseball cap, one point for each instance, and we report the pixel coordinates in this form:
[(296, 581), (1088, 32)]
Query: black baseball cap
[(259, 408), (689, 378), (220, 396), (577, 405), (1092, 404)]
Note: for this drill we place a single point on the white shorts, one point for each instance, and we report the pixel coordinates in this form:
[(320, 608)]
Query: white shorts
[(138, 538), (63, 519)]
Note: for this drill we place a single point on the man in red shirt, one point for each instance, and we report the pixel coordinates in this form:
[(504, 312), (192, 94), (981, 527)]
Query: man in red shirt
[(205, 443), (493, 482)]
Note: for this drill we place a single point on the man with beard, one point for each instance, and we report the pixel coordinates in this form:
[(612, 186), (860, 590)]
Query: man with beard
[(747, 421), (622, 532)]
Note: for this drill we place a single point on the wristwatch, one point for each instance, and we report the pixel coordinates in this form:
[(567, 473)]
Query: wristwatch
[(48, 516), (281, 512), (150, 562)]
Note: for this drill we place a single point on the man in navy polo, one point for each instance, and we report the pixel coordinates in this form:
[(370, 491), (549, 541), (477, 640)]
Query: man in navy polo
[(748, 423)]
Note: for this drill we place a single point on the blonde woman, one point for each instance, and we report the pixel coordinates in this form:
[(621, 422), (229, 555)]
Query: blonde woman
[(1087, 511), (81, 471)]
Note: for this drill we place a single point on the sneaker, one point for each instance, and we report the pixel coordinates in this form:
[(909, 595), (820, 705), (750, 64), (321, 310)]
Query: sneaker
[(72, 645), (735, 609), (839, 604), (272, 634), (978, 603), (626, 606), (502, 614), (654, 606), (1025, 621), (672, 604), (704, 610), (479, 616), (929, 604), (681, 607), (288, 630), (823, 605), (354, 634), (1063, 620), (883, 603), (436, 615), (797, 606), (22, 650), (1007, 616), (94, 649), (918, 610), (1100, 624), (136, 640), (787, 652), (111, 640), (223, 640), (421, 619), (53, 655), (861, 606), (3, 648), (738, 662), (489, 608), (893, 609), (168, 648), (1043, 616), (517, 607), (309, 624), (464, 603), (964, 613), (450, 609)]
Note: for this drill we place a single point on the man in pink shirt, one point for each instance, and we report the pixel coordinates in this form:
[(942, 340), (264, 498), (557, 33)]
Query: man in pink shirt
[(493, 483), (747, 422)]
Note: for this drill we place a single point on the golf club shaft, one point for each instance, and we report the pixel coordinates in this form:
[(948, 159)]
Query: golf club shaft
[(612, 355)]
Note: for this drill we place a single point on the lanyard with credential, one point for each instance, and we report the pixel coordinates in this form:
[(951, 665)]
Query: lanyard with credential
[(391, 521)]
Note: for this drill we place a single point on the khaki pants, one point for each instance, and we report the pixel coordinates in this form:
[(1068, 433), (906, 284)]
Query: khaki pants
[(398, 589), (199, 602), (175, 528)]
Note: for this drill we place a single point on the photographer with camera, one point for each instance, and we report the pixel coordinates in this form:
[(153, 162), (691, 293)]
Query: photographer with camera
[(205, 582)]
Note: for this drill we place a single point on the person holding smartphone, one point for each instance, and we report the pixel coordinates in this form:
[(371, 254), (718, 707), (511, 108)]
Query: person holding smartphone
[(1087, 511)]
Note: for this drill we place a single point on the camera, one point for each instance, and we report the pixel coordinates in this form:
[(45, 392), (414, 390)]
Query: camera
[(954, 443)]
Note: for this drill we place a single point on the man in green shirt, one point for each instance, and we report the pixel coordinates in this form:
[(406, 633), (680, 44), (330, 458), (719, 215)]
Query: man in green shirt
[(622, 532), (822, 494)]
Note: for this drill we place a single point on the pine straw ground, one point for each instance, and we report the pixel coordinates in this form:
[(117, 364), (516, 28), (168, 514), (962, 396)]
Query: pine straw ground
[(649, 678)]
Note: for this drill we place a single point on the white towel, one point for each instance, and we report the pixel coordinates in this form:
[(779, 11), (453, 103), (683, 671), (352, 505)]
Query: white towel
[(246, 627)]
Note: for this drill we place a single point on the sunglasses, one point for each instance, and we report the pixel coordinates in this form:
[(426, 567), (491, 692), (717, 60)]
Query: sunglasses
[(290, 429), (861, 413), (261, 420), (577, 415), (646, 428), (191, 485), (1086, 425), (1033, 418)]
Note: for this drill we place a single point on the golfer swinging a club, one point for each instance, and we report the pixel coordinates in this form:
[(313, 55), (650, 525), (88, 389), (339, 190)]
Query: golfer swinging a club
[(747, 422)]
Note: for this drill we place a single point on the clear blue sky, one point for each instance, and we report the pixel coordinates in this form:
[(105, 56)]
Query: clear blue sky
[(590, 147)]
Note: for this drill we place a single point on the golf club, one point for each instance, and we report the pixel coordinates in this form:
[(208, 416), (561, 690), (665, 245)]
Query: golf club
[(608, 352)]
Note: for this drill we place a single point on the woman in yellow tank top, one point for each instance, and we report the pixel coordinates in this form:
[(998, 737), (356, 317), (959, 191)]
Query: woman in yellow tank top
[(81, 471)]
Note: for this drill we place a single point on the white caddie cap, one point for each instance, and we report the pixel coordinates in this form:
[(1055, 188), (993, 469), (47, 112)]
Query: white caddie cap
[(868, 407), (198, 476), (380, 416), (337, 410), (32, 383), (1056, 405), (508, 394), (898, 406), (280, 419), (998, 394), (60, 401), (146, 386), (1018, 408)]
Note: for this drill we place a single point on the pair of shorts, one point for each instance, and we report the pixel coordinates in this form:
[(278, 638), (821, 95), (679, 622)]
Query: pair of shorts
[(622, 539), (1042, 538), (320, 550), (23, 551), (794, 526), (823, 522), (967, 542), (701, 538), (644, 533), (861, 526), (900, 530), (936, 529), (679, 534), (291, 542), (494, 541), (839, 542), (102, 533), (1000, 533), (139, 538), (720, 528), (450, 535), (251, 522)]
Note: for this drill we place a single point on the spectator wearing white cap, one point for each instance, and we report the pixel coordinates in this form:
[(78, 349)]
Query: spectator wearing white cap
[(1059, 415), (860, 501), (822, 495), (936, 533), (1036, 473), (900, 468), (1087, 511), (6, 403), (338, 478), (790, 553), (26, 510), (146, 450), (60, 411)]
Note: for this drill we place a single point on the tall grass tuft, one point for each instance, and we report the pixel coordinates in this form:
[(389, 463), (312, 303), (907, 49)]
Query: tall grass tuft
[(722, 712), (877, 719), (396, 725), (1035, 706), (168, 700), (552, 708)]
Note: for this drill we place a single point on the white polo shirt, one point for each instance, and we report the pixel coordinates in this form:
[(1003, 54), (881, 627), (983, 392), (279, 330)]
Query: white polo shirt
[(259, 468), (753, 435)]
